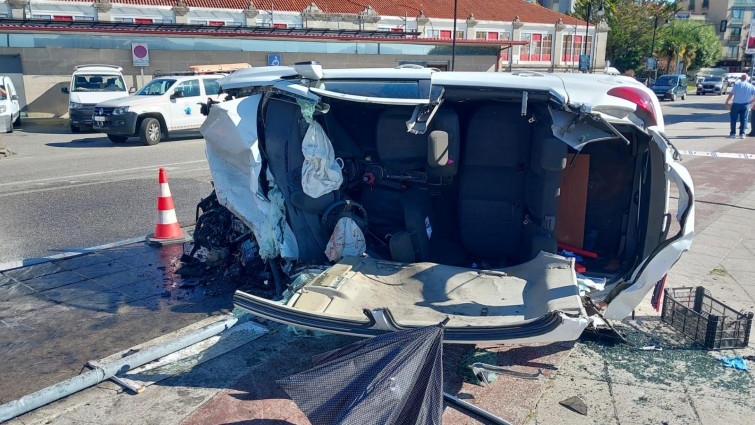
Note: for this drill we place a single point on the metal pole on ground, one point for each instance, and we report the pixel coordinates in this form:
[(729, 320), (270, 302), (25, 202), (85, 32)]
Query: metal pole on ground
[(106, 371)]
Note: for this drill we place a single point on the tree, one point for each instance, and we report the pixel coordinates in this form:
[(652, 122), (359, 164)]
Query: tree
[(693, 44), (631, 23)]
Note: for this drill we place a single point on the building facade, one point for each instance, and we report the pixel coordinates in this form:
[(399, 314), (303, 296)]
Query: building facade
[(49, 37)]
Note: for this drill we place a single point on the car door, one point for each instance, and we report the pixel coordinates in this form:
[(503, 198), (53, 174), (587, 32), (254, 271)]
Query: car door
[(185, 105)]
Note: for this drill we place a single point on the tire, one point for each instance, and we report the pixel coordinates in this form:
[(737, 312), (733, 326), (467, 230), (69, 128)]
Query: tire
[(684, 96), (117, 139), (673, 97), (17, 122), (149, 131), (75, 129)]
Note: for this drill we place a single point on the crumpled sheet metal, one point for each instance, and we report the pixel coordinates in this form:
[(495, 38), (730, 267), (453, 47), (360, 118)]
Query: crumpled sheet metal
[(232, 149)]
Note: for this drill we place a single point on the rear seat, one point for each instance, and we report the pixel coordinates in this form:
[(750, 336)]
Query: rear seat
[(492, 176), (433, 155), (510, 177)]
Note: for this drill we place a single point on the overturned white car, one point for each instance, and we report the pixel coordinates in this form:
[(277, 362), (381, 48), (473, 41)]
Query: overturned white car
[(386, 199)]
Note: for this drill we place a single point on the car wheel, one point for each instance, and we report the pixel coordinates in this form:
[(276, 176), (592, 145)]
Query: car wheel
[(17, 122), (117, 139), (75, 129), (673, 97), (684, 96), (149, 131)]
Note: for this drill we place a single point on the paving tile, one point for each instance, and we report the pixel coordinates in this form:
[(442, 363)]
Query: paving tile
[(22, 305), (43, 283), (74, 263), (129, 276), (84, 293), (14, 289), (30, 272), (101, 269), (128, 250), (739, 264), (639, 405)]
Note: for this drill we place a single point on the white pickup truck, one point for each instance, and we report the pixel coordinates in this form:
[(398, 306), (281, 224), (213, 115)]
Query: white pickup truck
[(166, 104)]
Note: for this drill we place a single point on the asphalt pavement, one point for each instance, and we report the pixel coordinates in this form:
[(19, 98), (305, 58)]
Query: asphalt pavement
[(60, 314)]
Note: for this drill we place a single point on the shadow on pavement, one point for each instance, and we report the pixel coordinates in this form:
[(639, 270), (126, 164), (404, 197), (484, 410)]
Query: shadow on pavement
[(59, 315)]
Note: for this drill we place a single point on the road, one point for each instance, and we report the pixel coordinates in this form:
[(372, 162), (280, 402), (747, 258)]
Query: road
[(64, 192)]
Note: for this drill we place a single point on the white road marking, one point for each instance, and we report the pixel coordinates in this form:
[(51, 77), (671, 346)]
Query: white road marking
[(122, 170)]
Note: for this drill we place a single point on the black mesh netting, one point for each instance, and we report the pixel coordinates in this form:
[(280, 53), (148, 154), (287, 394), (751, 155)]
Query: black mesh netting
[(392, 379)]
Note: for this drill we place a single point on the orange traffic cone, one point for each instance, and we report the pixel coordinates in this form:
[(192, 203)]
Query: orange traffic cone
[(167, 230)]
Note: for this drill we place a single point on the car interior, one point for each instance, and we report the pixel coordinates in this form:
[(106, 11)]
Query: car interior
[(484, 187)]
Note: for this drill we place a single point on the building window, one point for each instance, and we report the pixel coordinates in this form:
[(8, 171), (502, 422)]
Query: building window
[(737, 13), (538, 49), (83, 18), (705, 4), (735, 34), (733, 52), (691, 5), (119, 19), (572, 46)]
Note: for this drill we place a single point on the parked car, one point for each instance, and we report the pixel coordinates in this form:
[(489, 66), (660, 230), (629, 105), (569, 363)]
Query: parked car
[(10, 110), (167, 104), (91, 84), (712, 84), (671, 87), (732, 78), (371, 200)]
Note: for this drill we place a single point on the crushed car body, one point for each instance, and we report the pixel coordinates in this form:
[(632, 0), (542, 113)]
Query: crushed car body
[(388, 199)]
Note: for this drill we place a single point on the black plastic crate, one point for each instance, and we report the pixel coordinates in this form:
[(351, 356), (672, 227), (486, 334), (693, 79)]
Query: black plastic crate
[(712, 324)]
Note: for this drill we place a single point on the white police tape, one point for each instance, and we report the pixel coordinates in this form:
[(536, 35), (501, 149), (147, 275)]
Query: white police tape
[(718, 154)]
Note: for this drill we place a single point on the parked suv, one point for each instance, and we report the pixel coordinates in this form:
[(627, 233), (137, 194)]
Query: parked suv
[(712, 84), (91, 84), (671, 87), (166, 104), (385, 199)]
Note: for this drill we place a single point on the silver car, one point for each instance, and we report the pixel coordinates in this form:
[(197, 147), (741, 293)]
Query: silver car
[(366, 201)]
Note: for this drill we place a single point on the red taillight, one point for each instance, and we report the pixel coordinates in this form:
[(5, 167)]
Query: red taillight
[(644, 102)]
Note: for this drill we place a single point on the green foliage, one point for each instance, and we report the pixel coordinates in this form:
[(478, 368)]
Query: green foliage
[(639, 28)]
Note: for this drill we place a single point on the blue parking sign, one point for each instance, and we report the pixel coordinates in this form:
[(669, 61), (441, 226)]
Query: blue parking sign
[(274, 60), (584, 62)]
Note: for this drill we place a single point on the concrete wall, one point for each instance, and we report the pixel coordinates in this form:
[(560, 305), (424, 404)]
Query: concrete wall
[(47, 70)]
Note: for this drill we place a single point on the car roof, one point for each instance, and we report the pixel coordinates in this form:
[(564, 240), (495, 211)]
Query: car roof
[(97, 68)]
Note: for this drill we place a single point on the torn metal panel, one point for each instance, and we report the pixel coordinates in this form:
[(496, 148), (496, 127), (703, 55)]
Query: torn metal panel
[(235, 163)]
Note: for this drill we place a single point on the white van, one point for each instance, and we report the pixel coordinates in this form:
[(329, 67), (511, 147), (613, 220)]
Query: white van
[(90, 85), (10, 110)]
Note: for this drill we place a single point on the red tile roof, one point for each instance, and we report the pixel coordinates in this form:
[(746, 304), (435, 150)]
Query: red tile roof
[(491, 10)]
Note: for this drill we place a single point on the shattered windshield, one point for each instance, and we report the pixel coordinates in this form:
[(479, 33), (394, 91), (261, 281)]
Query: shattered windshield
[(97, 82), (156, 87)]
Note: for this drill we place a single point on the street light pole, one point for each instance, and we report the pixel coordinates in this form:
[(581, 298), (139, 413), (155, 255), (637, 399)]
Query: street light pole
[(587, 27), (453, 43), (652, 45)]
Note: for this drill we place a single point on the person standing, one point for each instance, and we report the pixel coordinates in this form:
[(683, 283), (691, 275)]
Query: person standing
[(740, 97)]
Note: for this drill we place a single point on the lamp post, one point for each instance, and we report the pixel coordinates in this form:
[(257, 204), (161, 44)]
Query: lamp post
[(600, 14), (453, 43)]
